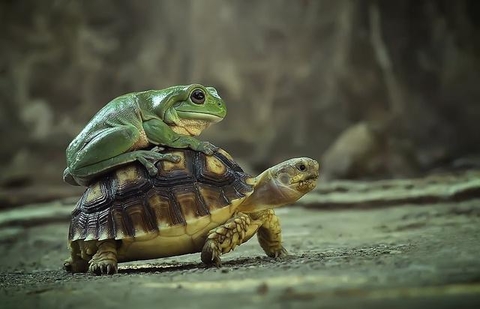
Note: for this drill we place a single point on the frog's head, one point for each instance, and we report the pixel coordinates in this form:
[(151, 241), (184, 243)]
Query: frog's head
[(194, 109)]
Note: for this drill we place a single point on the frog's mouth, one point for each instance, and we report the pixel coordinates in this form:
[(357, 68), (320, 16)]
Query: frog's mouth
[(199, 116)]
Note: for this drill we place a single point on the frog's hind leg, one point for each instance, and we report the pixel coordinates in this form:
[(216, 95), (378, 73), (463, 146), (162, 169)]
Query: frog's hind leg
[(93, 157), (110, 148)]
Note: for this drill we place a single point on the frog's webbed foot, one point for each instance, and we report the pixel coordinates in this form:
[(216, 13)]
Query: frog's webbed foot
[(207, 148), (148, 158)]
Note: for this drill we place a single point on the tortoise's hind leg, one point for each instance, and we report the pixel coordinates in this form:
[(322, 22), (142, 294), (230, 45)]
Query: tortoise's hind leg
[(269, 234), (75, 264), (104, 261)]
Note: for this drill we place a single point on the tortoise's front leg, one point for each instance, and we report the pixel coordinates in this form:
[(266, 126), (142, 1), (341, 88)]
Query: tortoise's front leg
[(225, 238), (104, 261), (270, 233)]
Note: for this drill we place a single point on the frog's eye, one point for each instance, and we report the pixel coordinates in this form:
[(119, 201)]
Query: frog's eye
[(198, 96)]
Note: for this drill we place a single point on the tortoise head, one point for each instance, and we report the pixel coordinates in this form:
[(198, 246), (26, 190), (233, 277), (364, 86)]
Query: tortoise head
[(282, 184)]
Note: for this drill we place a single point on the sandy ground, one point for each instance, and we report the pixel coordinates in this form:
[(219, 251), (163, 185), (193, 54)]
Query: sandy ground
[(398, 257)]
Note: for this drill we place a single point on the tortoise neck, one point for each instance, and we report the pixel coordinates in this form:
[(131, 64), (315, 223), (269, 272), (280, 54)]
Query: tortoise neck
[(268, 193)]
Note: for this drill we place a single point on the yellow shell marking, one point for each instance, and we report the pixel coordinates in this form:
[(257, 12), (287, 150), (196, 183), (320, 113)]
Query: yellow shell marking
[(127, 173), (93, 193), (215, 166)]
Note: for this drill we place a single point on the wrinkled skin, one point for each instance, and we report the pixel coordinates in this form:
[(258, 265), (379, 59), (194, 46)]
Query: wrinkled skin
[(122, 130)]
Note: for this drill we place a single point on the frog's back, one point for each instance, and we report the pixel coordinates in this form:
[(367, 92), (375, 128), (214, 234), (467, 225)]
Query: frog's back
[(123, 110)]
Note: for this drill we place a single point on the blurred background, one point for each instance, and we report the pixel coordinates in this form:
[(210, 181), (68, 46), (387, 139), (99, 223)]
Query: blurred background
[(372, 89)]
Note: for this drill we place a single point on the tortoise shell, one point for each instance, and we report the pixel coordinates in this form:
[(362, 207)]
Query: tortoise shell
[(128, 203)]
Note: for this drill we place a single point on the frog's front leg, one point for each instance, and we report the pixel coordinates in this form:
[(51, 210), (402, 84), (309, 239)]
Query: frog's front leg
[(109, 148), (159, 133)]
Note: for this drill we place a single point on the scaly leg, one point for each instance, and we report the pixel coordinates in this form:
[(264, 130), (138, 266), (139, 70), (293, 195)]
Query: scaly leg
[(75, 264), (225, 238), (270, 233), (104, 261)]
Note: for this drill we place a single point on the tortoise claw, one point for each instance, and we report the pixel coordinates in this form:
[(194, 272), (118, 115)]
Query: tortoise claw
[(217, 262), (211, 254), (282, 252), (103, 268)]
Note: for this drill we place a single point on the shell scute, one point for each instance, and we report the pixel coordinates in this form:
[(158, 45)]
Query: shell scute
[(130, 180), (139, 219), (97, 197), (190, 203), (182, 198)]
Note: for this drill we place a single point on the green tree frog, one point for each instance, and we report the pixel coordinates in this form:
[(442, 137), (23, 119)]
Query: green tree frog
[(123, 130)]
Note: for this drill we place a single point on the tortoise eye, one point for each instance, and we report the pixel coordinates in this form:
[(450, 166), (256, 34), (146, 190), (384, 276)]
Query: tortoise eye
[(198, 96), (301, 167)]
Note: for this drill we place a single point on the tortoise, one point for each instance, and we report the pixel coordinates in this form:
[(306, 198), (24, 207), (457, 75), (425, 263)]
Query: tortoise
[(203, 203)]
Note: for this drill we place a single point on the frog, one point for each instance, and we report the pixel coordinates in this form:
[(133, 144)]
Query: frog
[(137, 126)]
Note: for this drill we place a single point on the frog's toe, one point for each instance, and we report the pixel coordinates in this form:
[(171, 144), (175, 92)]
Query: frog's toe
[(172, 158), (208, 148), (151, 168), (157, 149), (213, 150), (152, 171)]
